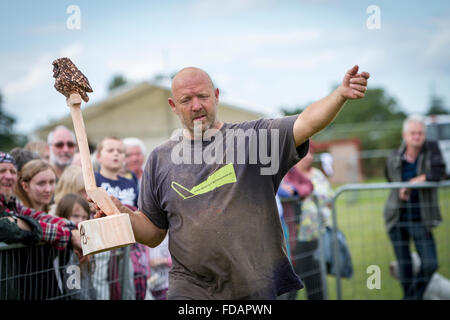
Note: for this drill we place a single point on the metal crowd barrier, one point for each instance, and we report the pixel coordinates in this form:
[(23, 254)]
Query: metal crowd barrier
[(311, 254), (41, 272), (357, 211)]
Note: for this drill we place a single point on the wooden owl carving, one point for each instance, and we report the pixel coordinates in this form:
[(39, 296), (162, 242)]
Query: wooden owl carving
[(68, 79)]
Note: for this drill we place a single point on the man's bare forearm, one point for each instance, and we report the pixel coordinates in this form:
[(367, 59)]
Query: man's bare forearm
[(145, 231), (320, 114), (317, 116)]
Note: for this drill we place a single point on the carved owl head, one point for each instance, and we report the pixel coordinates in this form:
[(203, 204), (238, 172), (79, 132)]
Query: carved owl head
[(68, 79), (60, 63), (56, 68)]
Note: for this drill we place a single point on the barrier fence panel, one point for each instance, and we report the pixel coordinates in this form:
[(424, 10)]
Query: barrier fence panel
[(27, 273), (307, 257), (43, 273), (358, 212)]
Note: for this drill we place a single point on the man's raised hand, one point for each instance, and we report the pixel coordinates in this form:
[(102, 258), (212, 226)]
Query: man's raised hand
[(354, 85)]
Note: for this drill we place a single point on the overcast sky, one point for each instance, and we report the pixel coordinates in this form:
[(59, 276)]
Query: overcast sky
[(262, 54)]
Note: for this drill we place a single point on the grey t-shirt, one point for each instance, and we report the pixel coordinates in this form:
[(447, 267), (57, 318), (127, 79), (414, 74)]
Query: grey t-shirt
[(217, 199)]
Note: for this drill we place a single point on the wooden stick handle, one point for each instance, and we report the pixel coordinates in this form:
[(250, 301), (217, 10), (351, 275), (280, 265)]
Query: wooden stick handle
[(74, 102)]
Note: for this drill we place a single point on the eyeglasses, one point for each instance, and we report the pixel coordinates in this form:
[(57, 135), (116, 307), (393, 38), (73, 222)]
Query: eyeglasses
[(61, 144)]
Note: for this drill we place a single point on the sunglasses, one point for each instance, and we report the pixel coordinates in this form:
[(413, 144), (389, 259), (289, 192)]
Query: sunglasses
[(60, 144)]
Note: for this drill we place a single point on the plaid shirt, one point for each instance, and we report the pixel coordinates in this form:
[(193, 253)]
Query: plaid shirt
[(55, 230)]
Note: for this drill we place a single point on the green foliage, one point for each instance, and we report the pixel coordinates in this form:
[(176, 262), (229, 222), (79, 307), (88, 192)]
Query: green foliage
[(376, 106), (375, 120), (8, 139), (291, 111), (117, 81), (163, 76), (437, 106)]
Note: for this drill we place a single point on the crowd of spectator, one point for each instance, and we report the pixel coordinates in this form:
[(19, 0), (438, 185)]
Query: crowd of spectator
[(43, 199)]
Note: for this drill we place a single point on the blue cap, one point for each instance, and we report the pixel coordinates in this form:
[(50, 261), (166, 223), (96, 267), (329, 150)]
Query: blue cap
[(7, 158)]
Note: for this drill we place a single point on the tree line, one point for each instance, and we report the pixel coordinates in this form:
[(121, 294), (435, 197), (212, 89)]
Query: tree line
[(375, 120)]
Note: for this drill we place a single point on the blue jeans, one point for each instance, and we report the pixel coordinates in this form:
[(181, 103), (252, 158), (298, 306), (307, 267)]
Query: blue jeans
[(414, 285)]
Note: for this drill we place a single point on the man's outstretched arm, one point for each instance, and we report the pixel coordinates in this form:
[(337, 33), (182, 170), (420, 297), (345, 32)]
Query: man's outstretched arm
[(321, 113)]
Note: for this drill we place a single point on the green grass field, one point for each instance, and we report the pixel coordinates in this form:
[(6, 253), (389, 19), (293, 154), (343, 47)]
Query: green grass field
[(360, 218)]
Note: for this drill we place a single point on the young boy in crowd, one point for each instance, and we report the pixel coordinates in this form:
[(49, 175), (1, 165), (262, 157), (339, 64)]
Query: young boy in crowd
[(111, 157)]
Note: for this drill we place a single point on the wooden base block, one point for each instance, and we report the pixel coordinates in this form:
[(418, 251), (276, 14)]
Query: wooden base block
[(103, 234)]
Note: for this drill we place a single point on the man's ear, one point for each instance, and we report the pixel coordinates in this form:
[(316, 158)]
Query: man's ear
[(216, 94), (172, 104)]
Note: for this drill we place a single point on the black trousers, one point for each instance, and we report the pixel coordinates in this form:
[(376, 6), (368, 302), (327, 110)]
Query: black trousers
[(308, 269)]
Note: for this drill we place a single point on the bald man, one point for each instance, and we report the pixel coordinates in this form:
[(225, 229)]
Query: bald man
[(213, 188)]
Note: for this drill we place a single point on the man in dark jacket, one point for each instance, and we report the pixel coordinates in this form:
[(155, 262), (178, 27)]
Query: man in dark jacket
[(14, 228), (412, 213)]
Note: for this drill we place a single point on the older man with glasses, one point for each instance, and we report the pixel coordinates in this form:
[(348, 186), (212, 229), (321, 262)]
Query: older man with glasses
[(62, 146)]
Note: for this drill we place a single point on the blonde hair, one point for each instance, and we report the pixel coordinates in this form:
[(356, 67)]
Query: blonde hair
[(70, 181), (26, 174)]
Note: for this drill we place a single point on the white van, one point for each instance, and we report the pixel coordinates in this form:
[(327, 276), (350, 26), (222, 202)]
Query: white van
[(438, 129)]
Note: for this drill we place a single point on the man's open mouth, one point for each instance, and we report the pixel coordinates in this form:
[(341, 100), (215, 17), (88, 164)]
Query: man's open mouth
[(199, 118)]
